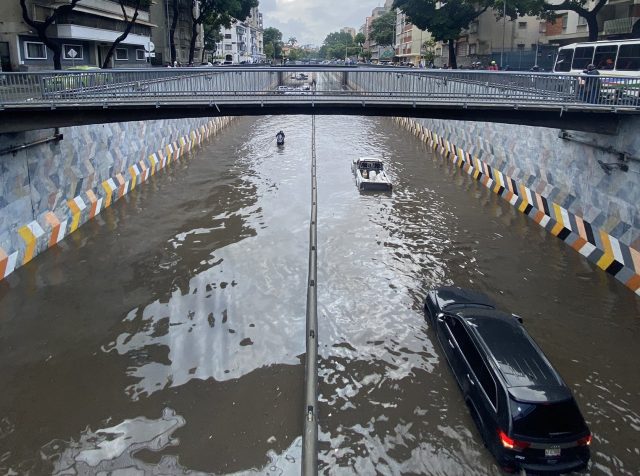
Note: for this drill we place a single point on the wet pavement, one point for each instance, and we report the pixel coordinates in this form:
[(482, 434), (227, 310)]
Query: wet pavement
[(166, 336)]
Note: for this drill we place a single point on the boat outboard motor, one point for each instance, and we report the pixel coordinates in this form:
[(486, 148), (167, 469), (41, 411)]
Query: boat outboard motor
[(280, 138)]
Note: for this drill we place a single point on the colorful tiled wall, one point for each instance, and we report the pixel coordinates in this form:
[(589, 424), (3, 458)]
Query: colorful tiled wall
[(50, 190), (598, 245)]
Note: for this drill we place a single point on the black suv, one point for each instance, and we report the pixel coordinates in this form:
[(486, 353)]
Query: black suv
[(525, 413)]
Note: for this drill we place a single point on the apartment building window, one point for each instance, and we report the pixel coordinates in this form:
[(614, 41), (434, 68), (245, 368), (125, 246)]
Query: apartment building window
[(228, 47), (473, 49), (521, 46), (522, 25), (543, 27), (463, 49), (564, 19), (582, 21), (141, 55), (35, 50), (473, 27), (67, 52), (122, 54), (227, 36)]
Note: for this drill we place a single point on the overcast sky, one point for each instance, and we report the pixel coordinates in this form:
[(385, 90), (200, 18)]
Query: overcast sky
[(310, 21)]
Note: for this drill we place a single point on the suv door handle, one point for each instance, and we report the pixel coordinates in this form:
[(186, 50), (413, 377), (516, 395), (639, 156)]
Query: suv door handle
[(451, 344), (470, 380)]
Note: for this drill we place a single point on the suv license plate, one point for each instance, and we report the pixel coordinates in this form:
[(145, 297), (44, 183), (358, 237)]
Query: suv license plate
[(552, 452)]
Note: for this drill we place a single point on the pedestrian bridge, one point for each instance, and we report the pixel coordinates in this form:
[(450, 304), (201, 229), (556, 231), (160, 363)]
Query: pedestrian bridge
[(39, 100)]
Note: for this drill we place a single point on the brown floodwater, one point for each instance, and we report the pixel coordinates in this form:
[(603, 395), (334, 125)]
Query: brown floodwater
[(166, 336)]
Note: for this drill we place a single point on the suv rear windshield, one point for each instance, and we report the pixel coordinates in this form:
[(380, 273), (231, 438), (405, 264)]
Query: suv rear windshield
[(551, 420)]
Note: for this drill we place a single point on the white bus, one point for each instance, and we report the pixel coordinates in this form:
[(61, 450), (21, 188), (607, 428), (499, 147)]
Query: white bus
[(611, 58)]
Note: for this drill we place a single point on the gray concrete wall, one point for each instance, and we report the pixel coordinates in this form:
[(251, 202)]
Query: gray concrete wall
[(48, 191), (557, 182)]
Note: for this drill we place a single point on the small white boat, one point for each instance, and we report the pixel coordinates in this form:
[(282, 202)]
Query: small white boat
[(370, 174)]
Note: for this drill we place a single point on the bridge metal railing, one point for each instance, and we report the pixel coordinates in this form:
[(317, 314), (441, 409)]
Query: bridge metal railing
[(375, 85), (470, 87)]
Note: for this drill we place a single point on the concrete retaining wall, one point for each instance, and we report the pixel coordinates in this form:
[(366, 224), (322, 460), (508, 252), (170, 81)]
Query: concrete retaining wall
[(557, 182), (48, 191)]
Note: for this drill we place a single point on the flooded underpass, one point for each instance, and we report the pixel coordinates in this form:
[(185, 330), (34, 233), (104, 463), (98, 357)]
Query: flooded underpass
[(166, 336)]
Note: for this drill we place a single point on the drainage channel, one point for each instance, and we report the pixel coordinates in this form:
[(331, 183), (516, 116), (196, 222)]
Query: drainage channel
[(310, 432)]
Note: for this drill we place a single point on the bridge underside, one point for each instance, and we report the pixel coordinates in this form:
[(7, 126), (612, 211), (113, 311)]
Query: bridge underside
[(19, 120)]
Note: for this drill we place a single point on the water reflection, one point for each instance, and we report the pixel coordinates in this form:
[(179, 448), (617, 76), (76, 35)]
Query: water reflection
[(112, 450), (124, 449)]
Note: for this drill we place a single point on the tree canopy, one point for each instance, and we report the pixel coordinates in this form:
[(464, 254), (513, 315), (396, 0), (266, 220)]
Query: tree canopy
[(272, 39), (383, 29), (336, 45), (443, 21)]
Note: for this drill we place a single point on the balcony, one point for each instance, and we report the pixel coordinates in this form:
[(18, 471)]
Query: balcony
[(619, 26), (108, 9), (78, 32)]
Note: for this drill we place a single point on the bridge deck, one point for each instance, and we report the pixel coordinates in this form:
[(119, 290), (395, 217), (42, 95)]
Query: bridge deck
[(71, 98)]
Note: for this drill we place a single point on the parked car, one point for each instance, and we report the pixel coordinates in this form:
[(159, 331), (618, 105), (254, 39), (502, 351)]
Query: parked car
[(283, 89), (525, 413)]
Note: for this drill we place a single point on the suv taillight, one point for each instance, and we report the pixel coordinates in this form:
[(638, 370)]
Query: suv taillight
[(512, 444), (586, 441)]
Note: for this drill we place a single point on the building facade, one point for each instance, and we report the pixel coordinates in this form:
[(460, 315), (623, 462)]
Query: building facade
[(162, 13), (511, 43), (85, 36), (347, 29), (378, 52), (243, 42), (409, 41), (618, 19)]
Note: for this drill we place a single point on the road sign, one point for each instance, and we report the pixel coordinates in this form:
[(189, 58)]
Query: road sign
[(151, 47), (72, 53)]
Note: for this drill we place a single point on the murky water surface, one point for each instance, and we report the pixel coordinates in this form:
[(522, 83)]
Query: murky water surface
[(166, 336)]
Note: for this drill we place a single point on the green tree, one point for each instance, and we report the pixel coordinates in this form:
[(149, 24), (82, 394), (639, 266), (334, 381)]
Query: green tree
[(272, 39), (335, 45), (221, 12), (383, 29), (212, 35), (360, 39), (296, 54), (429, 50), (269, 50), (443, 21)]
